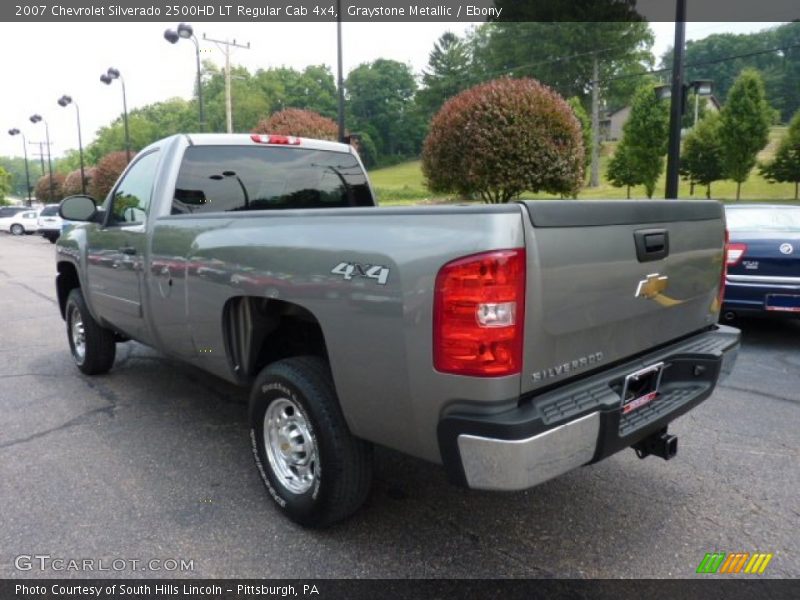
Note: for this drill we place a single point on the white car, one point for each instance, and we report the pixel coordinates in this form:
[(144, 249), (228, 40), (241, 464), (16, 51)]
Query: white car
[(21, 223), (50, 223)]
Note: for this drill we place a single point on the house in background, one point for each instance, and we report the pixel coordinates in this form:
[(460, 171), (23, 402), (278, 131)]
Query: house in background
[(612, 123)]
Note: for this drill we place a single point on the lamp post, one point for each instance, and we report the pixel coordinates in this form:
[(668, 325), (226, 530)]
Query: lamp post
[(701, 87), (36, 119), (16, 131), (676, 102), (110, 75), (66, 101), (186, 32)]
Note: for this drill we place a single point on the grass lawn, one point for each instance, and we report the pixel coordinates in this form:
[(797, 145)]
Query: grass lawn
[(405, 184)]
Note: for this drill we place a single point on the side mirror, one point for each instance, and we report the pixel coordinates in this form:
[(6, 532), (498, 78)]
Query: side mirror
[(78, 208)]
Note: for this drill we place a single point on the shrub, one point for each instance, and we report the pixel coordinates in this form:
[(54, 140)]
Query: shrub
[(106, 173), (72, 183), (301, 123), (502, 138), (42, 189)]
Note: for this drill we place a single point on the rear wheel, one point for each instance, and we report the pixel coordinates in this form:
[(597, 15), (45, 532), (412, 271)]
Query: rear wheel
[(316, 471), (92, 346), (17, 229)]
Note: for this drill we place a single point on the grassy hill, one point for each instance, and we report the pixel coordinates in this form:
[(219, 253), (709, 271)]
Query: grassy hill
[(405, 184)]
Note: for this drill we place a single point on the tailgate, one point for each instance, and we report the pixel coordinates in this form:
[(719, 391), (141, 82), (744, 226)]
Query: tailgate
[(594, 298)]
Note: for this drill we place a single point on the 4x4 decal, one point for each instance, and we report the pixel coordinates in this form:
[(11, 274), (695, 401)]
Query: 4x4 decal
[(349, 270)]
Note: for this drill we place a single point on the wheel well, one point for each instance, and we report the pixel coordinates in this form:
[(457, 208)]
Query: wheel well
[(66, 280), (260, 331)]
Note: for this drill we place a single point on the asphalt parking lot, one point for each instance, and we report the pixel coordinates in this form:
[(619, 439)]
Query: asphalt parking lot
[(153, 461)]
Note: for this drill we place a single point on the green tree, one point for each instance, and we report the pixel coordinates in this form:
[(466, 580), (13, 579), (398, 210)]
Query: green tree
[(721, 57), (381, 102), (146, 125), (501, 138), (645, 137), (5, 184), (745, 126), (785, 167), (621, 170), (447, 73), (562, 55), (586, 127), (15, 166), (701, 158)]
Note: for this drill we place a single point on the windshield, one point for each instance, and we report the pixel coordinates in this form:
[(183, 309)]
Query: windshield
[(764, 219), (49, 211)]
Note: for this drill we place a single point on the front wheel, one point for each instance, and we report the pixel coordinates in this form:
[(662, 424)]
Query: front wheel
[(93, 347), (314, 469), (17, 229)]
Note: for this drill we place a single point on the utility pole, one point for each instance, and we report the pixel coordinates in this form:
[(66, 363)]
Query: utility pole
[(594, 181), (225, 47), (676, 102), (340, 76), (41, 154)]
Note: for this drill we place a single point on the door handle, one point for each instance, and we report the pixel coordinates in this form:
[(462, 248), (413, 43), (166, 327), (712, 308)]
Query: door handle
[(651, 244), (129, 250)]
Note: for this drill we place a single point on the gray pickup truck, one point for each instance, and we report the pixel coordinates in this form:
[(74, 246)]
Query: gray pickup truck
[(510, 343)]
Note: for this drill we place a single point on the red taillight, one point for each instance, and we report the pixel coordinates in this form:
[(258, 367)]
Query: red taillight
[(479, 313), (275, 139), (734, 252)]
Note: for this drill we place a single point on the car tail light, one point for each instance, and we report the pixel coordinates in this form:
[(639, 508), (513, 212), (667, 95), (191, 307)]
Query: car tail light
[(478, 314), (734, 251), (289, 140)]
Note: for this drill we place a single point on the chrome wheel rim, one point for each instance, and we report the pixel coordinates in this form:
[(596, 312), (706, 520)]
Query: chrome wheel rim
[(291, 448), (78, 335)]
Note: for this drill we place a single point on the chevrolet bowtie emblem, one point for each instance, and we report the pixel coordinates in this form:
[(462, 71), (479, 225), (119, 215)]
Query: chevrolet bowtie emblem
[(651, 287)]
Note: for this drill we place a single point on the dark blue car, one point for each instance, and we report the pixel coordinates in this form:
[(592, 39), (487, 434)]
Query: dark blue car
[(763, 260)]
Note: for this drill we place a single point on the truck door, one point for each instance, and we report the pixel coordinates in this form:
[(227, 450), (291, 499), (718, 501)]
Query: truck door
[(115, 252)]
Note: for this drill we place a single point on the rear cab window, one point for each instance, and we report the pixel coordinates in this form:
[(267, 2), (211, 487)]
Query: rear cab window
[(243, 178)]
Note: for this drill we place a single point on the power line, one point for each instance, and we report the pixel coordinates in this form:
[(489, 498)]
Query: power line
[(704, 62)]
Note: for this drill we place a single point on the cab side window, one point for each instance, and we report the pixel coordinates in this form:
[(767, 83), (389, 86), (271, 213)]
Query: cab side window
[(131, 198)]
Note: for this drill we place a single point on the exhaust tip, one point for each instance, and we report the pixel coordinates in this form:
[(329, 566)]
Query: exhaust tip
[(729, 316)]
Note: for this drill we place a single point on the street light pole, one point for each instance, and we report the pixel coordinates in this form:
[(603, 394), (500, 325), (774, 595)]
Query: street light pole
[(35, 119), (340, 78), (186, 32), (66, 101), (676, 103), (16, 131), (110, 75)]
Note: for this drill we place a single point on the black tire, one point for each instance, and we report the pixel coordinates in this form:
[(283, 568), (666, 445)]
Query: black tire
[(17, 229), (99, 347), (52, 238), (343, 468)]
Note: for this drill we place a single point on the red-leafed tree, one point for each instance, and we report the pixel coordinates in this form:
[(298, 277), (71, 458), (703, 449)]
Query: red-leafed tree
[(106, 173), (502, 138), (299, 122), (42, 189), (72, 183)]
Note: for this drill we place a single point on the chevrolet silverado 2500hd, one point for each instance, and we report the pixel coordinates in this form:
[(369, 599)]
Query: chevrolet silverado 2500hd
[(511, 343)]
